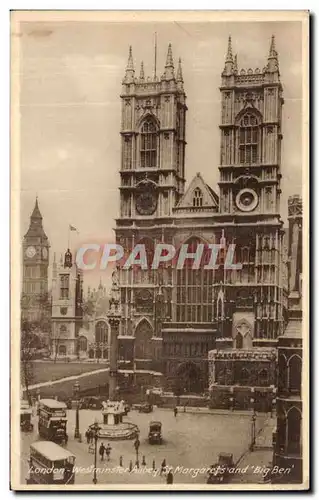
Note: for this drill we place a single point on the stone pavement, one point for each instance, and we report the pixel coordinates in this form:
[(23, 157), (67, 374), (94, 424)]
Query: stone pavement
[(254, 464), (191, 441)]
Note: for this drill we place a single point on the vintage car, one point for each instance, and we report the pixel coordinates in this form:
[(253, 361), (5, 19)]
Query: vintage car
[(127, 407), (145, 408), (155, 433), (219, 471), (87, 403)]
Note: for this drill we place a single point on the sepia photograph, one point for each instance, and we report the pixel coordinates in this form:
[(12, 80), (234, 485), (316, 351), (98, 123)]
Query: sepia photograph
[(159, 250)]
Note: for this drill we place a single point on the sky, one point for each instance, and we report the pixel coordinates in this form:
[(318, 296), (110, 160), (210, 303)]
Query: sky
[(70, 111)]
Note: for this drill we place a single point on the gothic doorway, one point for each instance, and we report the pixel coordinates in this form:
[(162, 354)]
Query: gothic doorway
[(143, 343), (189, 378)]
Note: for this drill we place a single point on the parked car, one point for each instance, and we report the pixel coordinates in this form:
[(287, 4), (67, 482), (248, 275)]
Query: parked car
[(146, 408), (219, 471), (93, 402)]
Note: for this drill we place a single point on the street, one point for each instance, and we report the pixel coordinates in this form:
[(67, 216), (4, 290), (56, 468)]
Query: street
[(190, 441)]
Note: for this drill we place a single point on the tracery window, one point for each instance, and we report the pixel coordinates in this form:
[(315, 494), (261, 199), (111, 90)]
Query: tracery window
[(197, 198), (83, 343), (194, 288), (248, 139), (64, 286), (101, 332), (143, 345), (148, 146)]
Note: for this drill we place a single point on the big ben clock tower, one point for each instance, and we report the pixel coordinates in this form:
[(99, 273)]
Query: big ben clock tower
[(35, 269)]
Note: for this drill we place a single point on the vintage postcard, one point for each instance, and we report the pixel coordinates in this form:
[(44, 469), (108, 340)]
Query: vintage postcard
[(160, 222)]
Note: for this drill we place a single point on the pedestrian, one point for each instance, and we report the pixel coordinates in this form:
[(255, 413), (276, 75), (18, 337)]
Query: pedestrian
[(91, 436), (108, 451), (169, 477), (87, 435), (175, 411), (102, 451), (163, 465)]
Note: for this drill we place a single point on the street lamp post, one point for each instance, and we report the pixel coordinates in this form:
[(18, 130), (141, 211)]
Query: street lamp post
[(95, 428), (253, 431), (77, 415)]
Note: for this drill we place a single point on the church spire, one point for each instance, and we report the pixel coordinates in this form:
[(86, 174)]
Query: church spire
[(272, 50), (130, 64), (129, 73), (179, 76), (272, 65), (229, 55), (169, 66), (169, 58), (235, 64), (142, 74), (229, 62)]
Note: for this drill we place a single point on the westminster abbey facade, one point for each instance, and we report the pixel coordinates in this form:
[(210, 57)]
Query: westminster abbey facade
[(203, 328)]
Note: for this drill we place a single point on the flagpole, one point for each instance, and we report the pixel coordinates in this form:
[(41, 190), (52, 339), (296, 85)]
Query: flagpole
[(155, 55), (69, 237)]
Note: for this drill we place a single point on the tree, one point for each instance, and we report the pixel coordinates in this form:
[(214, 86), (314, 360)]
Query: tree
[(88, 307), (29, 343), (178, 390), (56, 343)]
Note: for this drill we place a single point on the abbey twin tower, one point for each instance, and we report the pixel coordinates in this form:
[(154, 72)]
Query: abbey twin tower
[(196, 328)]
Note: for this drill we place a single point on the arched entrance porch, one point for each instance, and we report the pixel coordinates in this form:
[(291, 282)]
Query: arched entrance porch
[(189, 379)]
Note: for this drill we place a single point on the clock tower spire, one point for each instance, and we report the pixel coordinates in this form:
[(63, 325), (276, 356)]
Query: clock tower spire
[(35, 269)]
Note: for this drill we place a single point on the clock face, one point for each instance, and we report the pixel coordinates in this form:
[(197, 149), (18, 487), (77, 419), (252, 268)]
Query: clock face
[(30, 252), (247, 200), (44, 253), (146, 203)]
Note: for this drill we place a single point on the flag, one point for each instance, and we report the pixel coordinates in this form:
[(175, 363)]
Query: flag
[(72, 228)]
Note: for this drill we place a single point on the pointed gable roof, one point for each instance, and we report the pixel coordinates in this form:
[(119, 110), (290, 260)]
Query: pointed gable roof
[(36, 228), (36, 214), (210, 199)]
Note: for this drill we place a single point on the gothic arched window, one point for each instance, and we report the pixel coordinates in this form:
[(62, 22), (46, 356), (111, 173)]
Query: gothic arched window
[(148, 145), (101, 332), (143, 344), (197, 198), (194, 287), (263, 377), (83, 343), (282, 373), (294, 374), (248, 139), (64, 286)]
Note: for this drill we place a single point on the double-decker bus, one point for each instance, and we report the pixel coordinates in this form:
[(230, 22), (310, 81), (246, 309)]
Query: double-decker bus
[(52, 420)]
